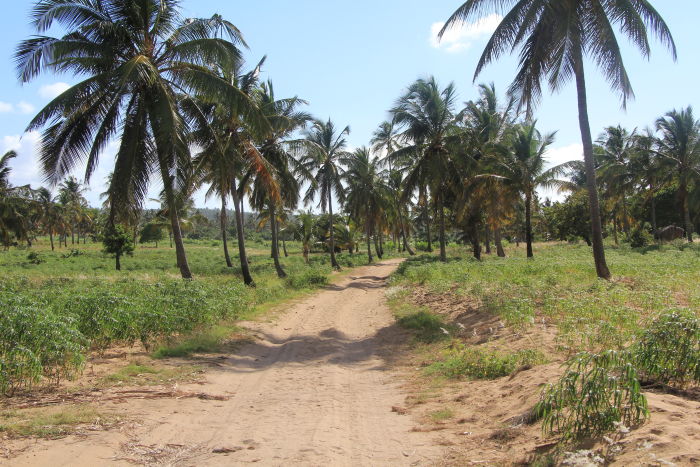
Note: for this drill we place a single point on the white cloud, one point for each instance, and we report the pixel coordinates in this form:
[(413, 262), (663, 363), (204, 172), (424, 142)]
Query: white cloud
[(25, 167), (25, 107), (5, 107), (51, 91), (556, 156), (458, 39)]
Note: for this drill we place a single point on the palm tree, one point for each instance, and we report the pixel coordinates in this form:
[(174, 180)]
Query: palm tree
[(385, 139), (522, 165), (227, 134), (288, 174), (5, 170), (489, 124), (368, 194), (50, 213), (138, 59), (680, 143), (304, 232), (554, 37), (325, 147), (649, 169), (613, 155), (426, 114), (70, 195)]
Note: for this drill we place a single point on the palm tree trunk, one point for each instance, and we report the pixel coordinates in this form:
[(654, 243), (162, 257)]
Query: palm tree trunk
[(499, 244), (625, 216), (683, 193), (654, 226), (427, 222), (403, 230), (245, 267), (585, 126), (377, 248), (119, 264), (441, 213), (487, 236), (224, 239), (528, 224), (334, 262), (476, 247), (615, 230), (275, 245), (51, 239), (369, 245), (175, 224), (284, 248)]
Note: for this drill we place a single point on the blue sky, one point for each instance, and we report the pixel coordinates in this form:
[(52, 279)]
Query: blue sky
[(351, 60)]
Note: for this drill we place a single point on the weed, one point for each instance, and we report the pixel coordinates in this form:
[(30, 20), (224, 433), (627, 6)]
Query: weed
[(427, 327), (441, 415), (478, 363)]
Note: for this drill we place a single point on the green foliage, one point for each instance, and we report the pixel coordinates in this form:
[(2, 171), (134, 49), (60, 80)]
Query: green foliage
[(478, 363), (35, 258), (640, 237), (668, 351), (311, 278), (118, 242), (152, 233), (427, 327), (596, 394)]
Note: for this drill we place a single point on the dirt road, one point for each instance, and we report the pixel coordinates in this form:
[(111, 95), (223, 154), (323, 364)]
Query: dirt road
[(314, 389)]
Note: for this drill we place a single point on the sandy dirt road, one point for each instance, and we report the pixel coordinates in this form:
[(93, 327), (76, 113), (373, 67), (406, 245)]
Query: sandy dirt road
[(315, 388)]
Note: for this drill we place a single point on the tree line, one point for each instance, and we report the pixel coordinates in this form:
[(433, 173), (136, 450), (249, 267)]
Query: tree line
[(176, 95)]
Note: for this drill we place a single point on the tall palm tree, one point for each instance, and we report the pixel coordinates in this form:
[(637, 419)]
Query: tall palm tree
[(227, 134), (49, 213), (649, 169), (288, 173), (70, 195), (5, 170), (613, 154), (554, 37), (367, 193), (325, 148), (522, 165), (304, 232), (385, 139), (489, 123), (137, 58), (680, 143), (425, 113)]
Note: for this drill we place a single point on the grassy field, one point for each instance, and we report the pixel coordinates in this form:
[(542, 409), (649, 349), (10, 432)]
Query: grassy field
[(559, 286), (57, 306)]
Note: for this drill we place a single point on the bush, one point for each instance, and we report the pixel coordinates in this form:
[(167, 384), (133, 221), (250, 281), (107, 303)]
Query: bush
[(596, 394), (668, 351), (308, 279), (640, 237), (477, 363), (35, 258)]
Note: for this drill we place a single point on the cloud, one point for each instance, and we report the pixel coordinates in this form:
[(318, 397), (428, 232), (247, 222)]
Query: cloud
[(25, 107), (25, 167), (556, 156), (5, 107), (51, 91), (458, 39)]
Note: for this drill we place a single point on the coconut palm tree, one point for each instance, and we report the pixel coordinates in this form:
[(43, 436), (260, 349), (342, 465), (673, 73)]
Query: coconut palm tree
[(288, 173), (522, 165), (425, 113), (649, 169), (325, 148), (680, 143), (613, 154), (137, 59), (227, 135), (367, 193), (304, 232), (554, 37), (50, 213), (385, 139)]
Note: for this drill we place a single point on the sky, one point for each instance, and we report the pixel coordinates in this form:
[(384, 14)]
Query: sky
[(352, 60)]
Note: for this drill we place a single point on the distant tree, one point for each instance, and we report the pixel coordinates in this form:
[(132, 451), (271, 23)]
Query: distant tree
[(152, 232), (118, 241)]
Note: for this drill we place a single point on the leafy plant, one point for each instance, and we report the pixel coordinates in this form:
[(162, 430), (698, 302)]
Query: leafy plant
[(35, 258), (596, 393), (669, 349), (428, 327)]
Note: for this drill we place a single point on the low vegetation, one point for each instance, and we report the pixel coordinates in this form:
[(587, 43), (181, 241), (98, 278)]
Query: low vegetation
[(616, 337)]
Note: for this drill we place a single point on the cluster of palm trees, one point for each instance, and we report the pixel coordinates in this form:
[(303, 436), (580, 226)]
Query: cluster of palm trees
[(175, 94), (26, 213)]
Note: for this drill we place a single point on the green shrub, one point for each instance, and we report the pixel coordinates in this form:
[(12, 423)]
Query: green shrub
[(668, 351), (308, 279), (478, 363), (35, 258), (596, 394), (640, 237)]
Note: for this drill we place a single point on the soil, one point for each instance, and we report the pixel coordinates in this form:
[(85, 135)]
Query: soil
[(316, 387)]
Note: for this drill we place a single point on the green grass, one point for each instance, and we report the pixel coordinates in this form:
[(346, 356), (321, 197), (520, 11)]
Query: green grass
[(480, 363), (140, 373), (56, 306), (50, 422), (559, 285), (441, 415)]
